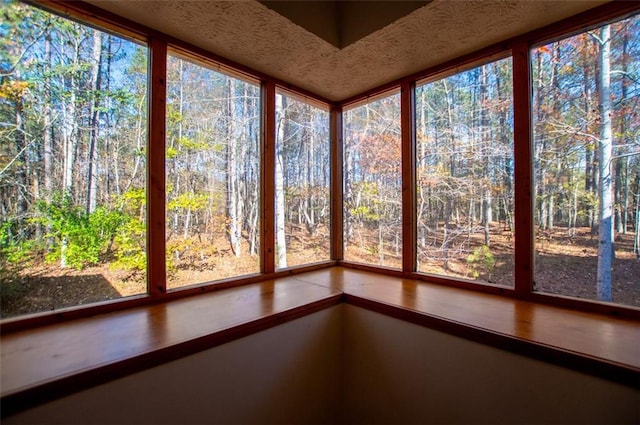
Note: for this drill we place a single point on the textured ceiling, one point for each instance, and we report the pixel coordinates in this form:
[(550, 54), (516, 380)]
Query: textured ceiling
[(249, 33), (343, 22)]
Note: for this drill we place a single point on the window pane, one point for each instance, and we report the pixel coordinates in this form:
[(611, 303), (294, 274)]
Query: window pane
[(587, 162), (302, 183), (464, 128), (72, 153), (373, 183), (213, 175)]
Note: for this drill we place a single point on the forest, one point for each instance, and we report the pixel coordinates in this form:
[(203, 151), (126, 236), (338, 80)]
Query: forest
[(73, 177), (586, 143)]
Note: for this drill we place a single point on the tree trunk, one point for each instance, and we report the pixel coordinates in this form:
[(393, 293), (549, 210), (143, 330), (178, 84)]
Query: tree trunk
[(605, 242), (232, 172), (47, 139), (623, 119), (281, 243), (485, 152), (96, 71), (625, 216), (70, 142), (310, 215), (22, 183), (636, 238), (618, 194), (590, 153)]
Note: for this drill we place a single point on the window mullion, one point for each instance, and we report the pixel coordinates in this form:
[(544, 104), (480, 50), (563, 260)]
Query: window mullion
[(337, 181), (268, 159), (408, 123), (156, 179), (523, 169)]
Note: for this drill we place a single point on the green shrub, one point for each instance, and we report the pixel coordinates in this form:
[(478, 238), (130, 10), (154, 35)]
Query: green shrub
[(130, 242), (481, 260), (13, 250), (79, 238)]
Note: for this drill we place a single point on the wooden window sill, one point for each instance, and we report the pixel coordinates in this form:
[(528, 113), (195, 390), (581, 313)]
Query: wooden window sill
[(49, 362), (597, 344)]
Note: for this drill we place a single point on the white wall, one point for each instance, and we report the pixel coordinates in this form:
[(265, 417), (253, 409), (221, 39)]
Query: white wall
[(286, 374), (348, 365), (398, 372)]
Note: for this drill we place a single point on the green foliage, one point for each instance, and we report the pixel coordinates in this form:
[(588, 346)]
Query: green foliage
[(481, 260), (368, 210), (172, 152), (133, 198), (130, 237), (79, 238), (130, 241), (188, 143), (188, 200), (12, 249), (364, 213)]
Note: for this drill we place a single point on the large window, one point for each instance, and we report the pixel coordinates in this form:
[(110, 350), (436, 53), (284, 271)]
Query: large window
[(212, 175), (302, 183), (587, 164), (73, 110), (373, 183), (464, 167), (75, 156)]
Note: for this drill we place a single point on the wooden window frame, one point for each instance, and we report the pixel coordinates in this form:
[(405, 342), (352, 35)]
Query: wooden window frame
[(158, 43)]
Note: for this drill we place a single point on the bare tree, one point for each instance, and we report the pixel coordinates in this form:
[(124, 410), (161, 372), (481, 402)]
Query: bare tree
[(605, 231)]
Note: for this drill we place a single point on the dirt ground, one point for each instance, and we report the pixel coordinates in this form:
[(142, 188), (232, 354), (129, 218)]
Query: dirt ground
[(564, 265)]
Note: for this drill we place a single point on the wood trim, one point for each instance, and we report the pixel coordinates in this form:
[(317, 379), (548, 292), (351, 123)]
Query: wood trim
[(473, 285), (386, 271), (554, 355), (156, 226), (96, 17), (217, 285), (312, 101), (582, 304), (477, 58), (267, 172), (239, 71), (21, 323), (523, 170), (373, 95), (570, 303), (204, 61), (337, 184), (493, 53), (409, 194), (159, 342), (612, 11)]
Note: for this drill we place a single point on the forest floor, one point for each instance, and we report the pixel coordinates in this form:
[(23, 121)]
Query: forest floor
[(564, 265)]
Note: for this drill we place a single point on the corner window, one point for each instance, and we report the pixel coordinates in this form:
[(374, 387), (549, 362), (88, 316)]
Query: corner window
[(586, 94), (465, 180), (73, 111)]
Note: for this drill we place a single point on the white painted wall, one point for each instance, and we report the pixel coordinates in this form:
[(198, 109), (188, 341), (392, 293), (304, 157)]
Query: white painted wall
[(286, 374), (397, 372), (348, 365)]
